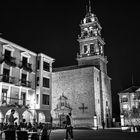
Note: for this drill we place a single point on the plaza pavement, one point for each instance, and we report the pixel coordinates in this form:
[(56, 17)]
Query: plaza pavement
[(88, 134)]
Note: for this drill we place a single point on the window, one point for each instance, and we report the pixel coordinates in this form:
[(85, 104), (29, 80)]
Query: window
[(46, 66), (135, 97), (23, 97), (7, 54), (92, 48), (6, 73), (106, 103), (23, 78), (37, 98), (24, 61), (38, 64), (124, 107), (37, 80), (46, 82), (4, 95), (85, 48), (45, 99), (62, 104), (124, 99)]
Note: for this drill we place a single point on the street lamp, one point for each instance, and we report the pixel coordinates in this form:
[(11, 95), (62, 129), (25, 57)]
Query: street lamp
[(122, 120), (95, 122)]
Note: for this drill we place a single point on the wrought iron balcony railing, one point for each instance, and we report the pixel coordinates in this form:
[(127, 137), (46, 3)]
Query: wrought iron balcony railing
[(15, 81), (9, 60), (7, 79), (15, 102), (25, 83), (25, 66)]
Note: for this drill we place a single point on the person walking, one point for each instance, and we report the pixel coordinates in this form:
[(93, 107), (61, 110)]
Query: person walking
[(46, 132), (69, 127)]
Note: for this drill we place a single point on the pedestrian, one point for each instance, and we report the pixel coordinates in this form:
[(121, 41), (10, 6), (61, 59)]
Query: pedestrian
[(69, 126), (11, 120), (46, 132), (103, 124)]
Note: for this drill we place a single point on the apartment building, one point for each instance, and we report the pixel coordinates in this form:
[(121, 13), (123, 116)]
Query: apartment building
[(25, 78), (130, 105)]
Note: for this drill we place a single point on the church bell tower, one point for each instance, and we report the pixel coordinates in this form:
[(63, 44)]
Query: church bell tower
[(91, 43)]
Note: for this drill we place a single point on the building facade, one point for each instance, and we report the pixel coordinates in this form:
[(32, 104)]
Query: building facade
[(84, 88), (25, 79), (130, 106)]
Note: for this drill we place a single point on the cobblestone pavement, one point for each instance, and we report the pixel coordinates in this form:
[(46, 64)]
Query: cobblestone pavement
[(87, 134)]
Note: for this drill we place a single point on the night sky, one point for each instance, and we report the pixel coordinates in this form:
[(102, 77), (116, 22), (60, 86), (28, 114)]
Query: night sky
[(53, 28)]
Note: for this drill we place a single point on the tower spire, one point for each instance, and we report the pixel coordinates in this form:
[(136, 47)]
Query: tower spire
[(89, 6)]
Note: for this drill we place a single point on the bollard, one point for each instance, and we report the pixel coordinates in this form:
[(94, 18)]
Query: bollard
[(136, 129), (132, 130)]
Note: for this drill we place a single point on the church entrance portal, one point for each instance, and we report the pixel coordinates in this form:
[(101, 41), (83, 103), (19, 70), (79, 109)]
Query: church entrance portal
[(62, 118)]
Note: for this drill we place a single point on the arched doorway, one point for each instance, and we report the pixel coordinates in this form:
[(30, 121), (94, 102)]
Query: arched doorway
[(1, 117), (27, 115), (41, 117), (62, 118), (15, 115)]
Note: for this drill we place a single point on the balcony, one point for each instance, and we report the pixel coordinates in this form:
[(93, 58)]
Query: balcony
[(1, 58), (25, 83), (7, 79), (15, 102), (26, 66), (10, 60)]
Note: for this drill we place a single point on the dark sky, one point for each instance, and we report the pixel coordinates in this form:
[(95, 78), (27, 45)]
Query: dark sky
[(53, 28)]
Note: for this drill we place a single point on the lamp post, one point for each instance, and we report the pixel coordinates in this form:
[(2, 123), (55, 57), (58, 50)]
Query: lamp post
[(95, 122), (122, 122)]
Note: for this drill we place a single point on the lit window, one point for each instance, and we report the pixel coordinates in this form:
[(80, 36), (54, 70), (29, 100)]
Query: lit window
[(125, 106), (4, 95)]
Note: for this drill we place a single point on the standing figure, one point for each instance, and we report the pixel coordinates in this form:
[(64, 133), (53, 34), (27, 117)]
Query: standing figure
[(103, 124), (46, 132), (11, 120), (69, 126)]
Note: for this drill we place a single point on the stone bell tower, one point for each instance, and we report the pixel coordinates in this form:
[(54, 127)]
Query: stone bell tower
[(91, 43), (92, 54)]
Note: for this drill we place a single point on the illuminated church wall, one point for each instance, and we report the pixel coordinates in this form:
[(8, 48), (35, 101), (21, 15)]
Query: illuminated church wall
[(80, 87)]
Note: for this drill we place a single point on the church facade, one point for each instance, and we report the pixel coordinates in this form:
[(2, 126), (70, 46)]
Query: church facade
[(84, 89)]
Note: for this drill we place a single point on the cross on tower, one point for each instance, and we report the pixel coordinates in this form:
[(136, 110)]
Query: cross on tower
[(83, 107)]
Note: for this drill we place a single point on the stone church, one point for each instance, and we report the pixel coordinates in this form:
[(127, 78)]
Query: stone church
[(84, 89)]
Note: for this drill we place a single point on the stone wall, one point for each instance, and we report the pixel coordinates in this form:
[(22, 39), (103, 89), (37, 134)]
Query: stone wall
[(78, 86)]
